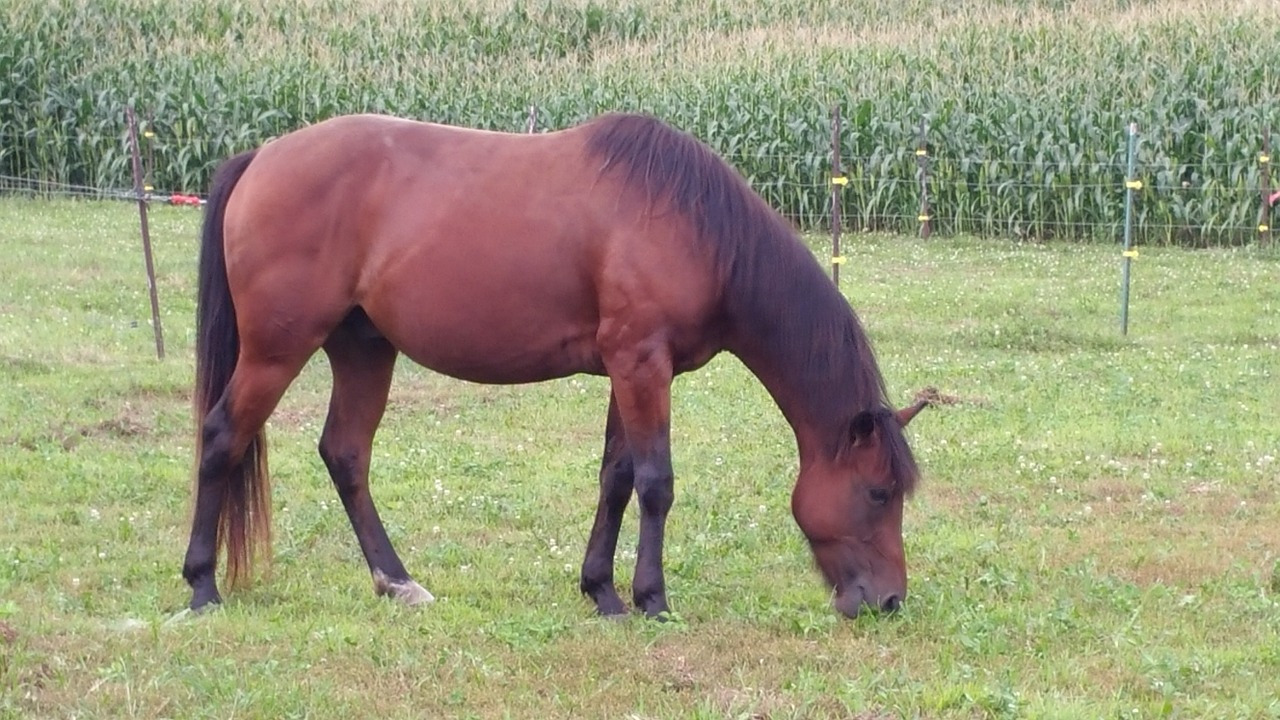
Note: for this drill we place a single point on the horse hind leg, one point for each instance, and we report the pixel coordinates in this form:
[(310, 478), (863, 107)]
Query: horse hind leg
[(617, 478), (363, 363), (232, 504)]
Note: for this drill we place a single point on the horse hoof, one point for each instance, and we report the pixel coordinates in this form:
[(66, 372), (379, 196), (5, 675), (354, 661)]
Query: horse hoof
[(411, 593), (189, 614), (180, 617), (406, 591), (608, 604)]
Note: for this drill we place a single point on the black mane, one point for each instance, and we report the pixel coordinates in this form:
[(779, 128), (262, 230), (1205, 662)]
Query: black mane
[(775, 292)]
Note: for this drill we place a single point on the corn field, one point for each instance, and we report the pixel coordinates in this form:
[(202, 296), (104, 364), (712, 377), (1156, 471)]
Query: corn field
[(1026, 102)]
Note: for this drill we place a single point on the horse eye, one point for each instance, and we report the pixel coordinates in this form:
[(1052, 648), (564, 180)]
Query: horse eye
[(879, 496)]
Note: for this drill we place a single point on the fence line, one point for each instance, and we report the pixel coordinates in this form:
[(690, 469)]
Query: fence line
[(1034, 195), (950, 202), (966, 222), (50, 188)]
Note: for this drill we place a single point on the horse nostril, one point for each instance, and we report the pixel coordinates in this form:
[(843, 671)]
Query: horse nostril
[(891, 604)]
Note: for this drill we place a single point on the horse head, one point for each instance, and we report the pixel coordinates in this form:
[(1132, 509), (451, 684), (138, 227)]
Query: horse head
[(849, 507)]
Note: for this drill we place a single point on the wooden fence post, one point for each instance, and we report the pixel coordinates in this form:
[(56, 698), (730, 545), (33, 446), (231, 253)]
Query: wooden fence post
[(140, 193)]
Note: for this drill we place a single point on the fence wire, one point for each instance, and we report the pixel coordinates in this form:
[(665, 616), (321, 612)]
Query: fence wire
[(1035, 197)]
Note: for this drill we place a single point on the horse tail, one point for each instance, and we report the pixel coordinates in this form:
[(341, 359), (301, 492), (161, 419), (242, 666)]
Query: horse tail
[(244, 521)]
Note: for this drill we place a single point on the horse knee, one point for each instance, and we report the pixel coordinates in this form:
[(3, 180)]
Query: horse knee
[(617, 480), (654, 491)]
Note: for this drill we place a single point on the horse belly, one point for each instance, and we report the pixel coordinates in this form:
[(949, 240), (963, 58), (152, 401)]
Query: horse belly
[(517, 358), (491, 329)]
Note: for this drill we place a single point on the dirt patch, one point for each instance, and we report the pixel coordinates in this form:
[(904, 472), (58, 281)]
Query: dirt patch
[(7, 633), (700, 672), (126, 425), (129, 425), (932, 396), (296, 417), (24, 366)]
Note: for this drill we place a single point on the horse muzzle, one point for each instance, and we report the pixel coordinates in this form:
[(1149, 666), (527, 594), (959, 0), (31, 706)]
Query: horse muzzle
[(854, 600)]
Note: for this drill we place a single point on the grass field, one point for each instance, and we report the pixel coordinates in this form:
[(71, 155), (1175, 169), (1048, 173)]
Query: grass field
[(1096, 535)]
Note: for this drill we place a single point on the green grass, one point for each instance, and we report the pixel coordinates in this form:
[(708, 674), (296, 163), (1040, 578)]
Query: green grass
[(1095, 537)]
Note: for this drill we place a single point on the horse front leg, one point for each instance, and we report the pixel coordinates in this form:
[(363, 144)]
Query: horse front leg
[(616, 483), (655, 493), (362, 370), (642, 385)]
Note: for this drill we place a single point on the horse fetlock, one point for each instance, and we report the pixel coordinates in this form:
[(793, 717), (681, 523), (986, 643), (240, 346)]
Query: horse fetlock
[(199, 576), (599, 587), (195, 572), (652, 601), (406, 591), (205, 597), (607, 600)]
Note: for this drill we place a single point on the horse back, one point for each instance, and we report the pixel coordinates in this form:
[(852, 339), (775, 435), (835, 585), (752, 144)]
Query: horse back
[(489, 256)]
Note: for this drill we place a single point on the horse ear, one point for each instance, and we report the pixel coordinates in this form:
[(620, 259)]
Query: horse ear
[(907, 413), (862, 428)]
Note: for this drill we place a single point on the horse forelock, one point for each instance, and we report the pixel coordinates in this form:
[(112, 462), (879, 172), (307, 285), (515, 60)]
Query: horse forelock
[(902, 462)]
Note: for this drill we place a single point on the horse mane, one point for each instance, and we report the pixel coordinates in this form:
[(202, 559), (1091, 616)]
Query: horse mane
[(773, 285)]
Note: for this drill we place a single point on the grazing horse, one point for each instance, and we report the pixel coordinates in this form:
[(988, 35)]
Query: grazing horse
[(619, 247)]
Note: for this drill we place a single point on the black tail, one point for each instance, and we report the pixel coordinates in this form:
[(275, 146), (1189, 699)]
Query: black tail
[(244, 524)]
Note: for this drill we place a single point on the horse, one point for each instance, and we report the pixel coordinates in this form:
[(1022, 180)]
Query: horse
[(620, 247)]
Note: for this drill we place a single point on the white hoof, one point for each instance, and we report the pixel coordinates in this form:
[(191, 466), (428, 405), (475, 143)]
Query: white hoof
[(180, 617), (406, 591)]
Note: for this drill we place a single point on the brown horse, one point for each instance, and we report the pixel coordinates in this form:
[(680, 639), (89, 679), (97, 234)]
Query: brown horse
[(619, 247)]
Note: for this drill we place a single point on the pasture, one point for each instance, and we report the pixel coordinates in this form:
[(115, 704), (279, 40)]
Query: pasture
[(1095, 535)]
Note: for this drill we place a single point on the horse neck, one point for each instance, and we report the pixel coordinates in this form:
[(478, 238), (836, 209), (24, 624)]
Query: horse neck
[(800, 338)]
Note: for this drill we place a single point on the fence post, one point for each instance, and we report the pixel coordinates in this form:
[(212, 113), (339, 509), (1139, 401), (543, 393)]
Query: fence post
[(532, 123), (1264, 168), (922, 159), (1132, 185), (838, 181), (146, 232), (149, 163)]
